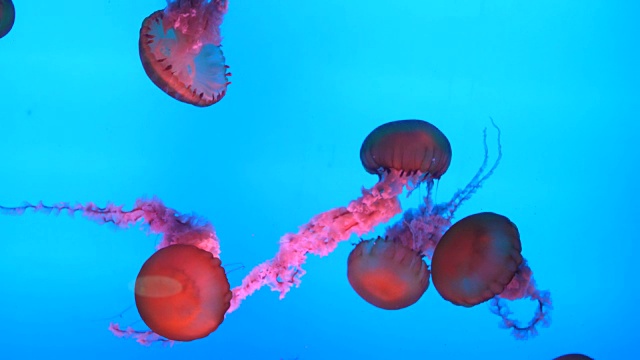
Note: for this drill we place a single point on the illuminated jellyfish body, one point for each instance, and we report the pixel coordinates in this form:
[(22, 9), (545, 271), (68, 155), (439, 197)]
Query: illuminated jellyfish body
[(385, 272), (476, 259), (479, 259), (180, 50), (181, 292), (408, 146), (7, 17)]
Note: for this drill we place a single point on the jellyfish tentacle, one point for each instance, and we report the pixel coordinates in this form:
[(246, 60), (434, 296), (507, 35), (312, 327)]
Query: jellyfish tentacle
[(480, 177), (523, 287), (175, 227)]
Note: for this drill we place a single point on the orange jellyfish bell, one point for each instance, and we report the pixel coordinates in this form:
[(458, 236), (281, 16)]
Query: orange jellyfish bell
[(411, 146), (180, 50), (7, 16), (182, 293), (387, 274), (476, 259)]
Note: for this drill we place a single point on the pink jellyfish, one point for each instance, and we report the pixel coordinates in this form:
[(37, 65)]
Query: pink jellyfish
[(387, 274), (181, 292), (476, 259), (181, 52), (7, 17), (408, 146), (479, 259)]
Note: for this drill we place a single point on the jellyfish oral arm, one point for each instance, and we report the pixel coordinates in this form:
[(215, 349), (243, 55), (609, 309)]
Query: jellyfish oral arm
[(200, 19), (321, 236)]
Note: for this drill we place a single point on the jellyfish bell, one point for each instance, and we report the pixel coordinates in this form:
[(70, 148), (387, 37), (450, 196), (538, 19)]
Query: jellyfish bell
[(7, 17), (410, 146), (181, 53), (387, 274), (476, 259), (182, 293)]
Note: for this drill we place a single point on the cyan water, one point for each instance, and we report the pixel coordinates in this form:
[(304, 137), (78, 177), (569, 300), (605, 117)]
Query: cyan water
[(80, 121)]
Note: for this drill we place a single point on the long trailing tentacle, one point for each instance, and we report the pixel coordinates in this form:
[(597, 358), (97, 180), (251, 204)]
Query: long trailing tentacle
[(480, 177)]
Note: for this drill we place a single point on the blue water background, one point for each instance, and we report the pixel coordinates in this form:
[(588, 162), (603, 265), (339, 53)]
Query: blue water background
[(80, 121)]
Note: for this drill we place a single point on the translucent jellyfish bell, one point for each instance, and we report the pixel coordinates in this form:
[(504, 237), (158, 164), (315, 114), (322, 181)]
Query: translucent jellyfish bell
[(180, 51)]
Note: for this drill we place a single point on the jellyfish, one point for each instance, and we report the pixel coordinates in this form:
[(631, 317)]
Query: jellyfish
[(7, 17), (181, 292), (408, 146), (573, 357), (383, 271), (180, 50), (387, 274), (478, 259)]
